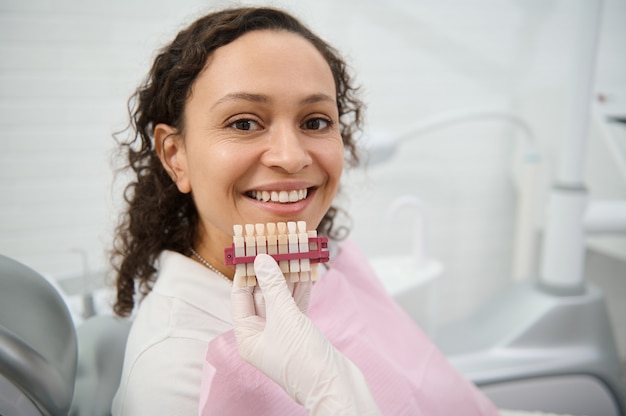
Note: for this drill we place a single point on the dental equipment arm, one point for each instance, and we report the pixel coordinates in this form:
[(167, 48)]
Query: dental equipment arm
[(287, 347)]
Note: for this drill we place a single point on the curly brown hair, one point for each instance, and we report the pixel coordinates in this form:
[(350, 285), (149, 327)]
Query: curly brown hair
[(157, 216)]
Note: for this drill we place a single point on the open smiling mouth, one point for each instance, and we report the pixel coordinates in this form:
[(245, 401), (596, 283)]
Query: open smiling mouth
[(281, 197)]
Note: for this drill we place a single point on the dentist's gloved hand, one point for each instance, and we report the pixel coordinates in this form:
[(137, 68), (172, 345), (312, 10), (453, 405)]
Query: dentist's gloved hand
[(284, 344)]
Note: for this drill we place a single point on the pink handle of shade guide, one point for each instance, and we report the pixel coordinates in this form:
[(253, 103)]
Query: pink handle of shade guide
[(319, 255)]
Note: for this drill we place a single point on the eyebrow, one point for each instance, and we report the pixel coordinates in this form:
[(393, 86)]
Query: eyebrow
[(264, 99), (245, 96), (316, 98)]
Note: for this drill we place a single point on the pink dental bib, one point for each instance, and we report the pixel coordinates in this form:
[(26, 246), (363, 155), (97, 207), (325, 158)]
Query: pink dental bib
[(404, 370)]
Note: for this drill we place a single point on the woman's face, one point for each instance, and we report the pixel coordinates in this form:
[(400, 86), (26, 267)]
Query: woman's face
[(261, 141)]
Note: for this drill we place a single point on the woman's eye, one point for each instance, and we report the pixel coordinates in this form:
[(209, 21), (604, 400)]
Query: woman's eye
[(317, 124), (245, 124)]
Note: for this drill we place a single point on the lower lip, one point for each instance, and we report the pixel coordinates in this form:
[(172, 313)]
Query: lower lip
[(284, 210)]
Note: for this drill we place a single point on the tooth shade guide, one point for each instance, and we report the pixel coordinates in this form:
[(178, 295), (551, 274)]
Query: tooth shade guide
[(239, 250), (314, 246), (261, 239), (294, 247), (250, 247), (283, 245), (297, 251), (303, 247)]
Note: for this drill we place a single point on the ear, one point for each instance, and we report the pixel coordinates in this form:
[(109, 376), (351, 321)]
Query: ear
[(170, 148)]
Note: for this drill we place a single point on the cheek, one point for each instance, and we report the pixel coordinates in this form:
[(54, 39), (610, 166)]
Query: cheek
[(216, 166), (338, 167), (339, 159), (332, 162)]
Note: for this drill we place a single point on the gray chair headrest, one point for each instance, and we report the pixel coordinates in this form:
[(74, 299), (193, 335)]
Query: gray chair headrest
[(38, 347)]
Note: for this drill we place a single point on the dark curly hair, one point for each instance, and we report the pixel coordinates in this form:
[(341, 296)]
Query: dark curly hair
[(158, 217)]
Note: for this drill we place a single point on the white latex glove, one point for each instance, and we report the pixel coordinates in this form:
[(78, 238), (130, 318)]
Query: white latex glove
[(284, 344)]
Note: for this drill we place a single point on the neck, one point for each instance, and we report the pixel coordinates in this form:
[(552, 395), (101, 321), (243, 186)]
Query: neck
[(210, 246)]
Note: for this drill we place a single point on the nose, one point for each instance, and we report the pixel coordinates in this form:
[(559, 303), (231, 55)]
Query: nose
[(286, 150)]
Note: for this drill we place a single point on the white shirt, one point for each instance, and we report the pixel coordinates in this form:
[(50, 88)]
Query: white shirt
[(188, 307)]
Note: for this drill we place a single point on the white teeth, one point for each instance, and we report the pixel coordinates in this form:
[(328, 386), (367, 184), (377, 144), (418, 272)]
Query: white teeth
[(279, 196)]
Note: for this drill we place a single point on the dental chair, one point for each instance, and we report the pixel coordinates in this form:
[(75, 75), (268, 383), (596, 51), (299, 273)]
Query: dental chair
[(48, 367), (101, 346), (38, 346), (535, 349)]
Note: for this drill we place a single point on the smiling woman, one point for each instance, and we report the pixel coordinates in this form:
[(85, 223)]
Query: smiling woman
[(179, 84), (247, 118)]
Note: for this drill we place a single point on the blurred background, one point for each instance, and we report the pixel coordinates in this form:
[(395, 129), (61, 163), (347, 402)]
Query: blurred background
[(436, 174)]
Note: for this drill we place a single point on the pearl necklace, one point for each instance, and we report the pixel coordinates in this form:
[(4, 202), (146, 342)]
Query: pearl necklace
[(209, 265)]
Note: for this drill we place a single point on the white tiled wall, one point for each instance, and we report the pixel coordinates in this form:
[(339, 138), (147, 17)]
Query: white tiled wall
[(67, 68)]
